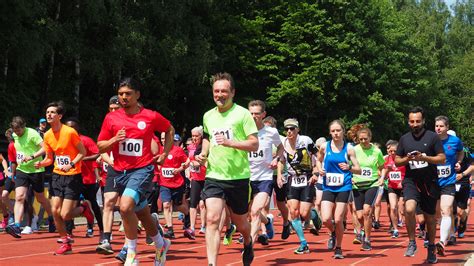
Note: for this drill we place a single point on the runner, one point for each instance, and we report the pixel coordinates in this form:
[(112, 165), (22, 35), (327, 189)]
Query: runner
[(9, 185), (334, 158), (232, 133), (453, 149), (463, 191), (301, 175), (262, 163), (128, 132), (42, 127), (28, 149), (90, 177), (64, 145), (198, 176), (395, 177), (421, 150), (4, 204), (366, 186)]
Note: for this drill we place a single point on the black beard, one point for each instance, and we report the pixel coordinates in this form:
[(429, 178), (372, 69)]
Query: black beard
[(416, 131)]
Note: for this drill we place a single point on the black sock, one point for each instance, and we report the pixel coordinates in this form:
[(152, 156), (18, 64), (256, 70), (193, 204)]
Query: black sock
[(422, 226), (107, 235), (69, 226)]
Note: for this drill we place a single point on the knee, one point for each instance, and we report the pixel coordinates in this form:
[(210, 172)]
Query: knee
[(126, 209), (20, 197), (213, 218), (166, 205)]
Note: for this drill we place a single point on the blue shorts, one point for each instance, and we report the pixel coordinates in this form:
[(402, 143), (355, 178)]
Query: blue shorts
[(261, 186), (172, 194), (135, 183)]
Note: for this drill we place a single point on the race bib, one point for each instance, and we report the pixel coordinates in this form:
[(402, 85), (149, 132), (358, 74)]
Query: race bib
[(167, 172), (19, 157), (104, 166), (299, 181), (226, 132), (195, 169), (395, 176), (63, 160), (256, 155), (417, 164), (444, 171), (458, 187), (366, 172), (334, 179), (131, 147)]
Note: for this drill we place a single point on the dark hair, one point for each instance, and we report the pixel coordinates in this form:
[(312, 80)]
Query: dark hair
[(270, 120), (75, 121), (59, 107), (257, 103), (443, 118), (8, 134), (18, 121), (417, 109), (224, 76), (130, 83)]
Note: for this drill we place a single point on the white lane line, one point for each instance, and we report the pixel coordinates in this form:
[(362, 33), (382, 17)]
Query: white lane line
[(378, 253)]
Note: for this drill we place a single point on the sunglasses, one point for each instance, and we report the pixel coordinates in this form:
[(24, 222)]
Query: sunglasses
[(290, 128)]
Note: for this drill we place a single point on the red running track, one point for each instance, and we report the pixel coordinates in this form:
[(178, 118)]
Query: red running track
[(38, 248)]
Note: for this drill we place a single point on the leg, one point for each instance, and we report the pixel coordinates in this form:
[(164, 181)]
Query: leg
[(339, 214), (215, 207), (327, 208), (446, 206), (255, 210), (56, 206), (410, 210), (393, 201)]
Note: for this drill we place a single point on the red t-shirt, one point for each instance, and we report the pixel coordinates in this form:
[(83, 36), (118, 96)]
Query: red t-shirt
[(395, 174), (88, 175), (156, 172), (11, 152), (175, 158), (197, 173), (135, 150)]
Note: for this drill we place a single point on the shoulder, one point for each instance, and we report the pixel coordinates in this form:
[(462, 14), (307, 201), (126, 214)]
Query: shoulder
[(305, 139)]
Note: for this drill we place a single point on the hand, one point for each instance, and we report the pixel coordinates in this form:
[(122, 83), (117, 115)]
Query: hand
[(380, 182), (458, 177), (313, 179), (344, 166), (399, 186), (65, 168), (201, 158), (27, 158), (420, 157), (121, 134), (222, 140), (160, 158), (177, 170), (7, 173), (274, 164), (322, 172), (280, 181), (98, 160), (457, 167), (37, 165)]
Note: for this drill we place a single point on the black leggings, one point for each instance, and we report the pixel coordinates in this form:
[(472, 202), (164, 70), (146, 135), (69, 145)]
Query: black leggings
[(89, 192)]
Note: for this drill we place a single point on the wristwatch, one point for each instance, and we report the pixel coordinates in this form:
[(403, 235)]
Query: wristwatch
[(73, 165)]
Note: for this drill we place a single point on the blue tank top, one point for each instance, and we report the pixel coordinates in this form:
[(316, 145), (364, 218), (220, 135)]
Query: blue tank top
[(446, 173), (336, 179)]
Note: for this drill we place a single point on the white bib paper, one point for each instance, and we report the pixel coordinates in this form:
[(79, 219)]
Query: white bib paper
[(299, 181), (167, 172), (334, 179), (444, 171), (131, 147), (395, 176)]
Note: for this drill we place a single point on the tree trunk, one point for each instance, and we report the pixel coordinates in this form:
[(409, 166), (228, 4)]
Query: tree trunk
[(77, 59), (49, 77)]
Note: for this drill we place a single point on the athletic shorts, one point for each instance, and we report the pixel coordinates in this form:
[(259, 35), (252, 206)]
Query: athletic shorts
[(449, 190), (334, 197), (261, 186), (426, 194), (236, 193), (385, 195), (365, 197), (110, 185), (36, 180), (302, 194), (172, 194), (399, 192), (280, 193), (195, 194), (66, 186), (462, 195), (318, 186), (9, 185), (134, 183)]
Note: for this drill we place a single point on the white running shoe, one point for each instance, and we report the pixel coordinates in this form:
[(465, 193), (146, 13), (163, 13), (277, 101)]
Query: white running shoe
[(27, 231)]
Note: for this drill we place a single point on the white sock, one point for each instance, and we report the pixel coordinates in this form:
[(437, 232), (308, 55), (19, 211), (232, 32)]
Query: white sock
[(444, 228), (158, 240), (131, 246)]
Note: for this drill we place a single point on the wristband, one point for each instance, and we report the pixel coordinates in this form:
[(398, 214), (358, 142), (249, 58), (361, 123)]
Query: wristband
[(73, 165)]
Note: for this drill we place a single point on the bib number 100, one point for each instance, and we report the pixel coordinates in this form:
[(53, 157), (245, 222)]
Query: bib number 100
[(131, 147)]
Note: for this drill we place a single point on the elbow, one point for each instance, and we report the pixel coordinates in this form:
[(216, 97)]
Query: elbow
[(254, 146)]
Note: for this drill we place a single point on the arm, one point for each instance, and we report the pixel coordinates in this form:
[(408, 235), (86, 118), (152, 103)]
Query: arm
[(320, 159), (278, 157), (92, 157), (48, 160), (38, 153), (280, 167), (355, 169), (202, 157), (106, 145), (250, 144), (77, 159), (459, 158), (169, 134), (439, 158)]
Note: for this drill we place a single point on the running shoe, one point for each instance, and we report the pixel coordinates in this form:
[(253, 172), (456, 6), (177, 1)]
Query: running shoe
[(122, 255), (121, 228), (101, 236), (4, 223), (189, 233), (269, 226), (247, 254), (169, 233), (228, 235), (240, 240), (64, 249), (66, 240), (87, 213), (51, 225), (11, 219), (131, 260), (395, 234), (180, 216), (13, 230), (421, 234), (366, 246), (302, 249), (285, 233), (338, 254), (411, 249), (27, 230), (186, 222), (314, 231), (440, 248), (376, 224), (431, 256), (400, 223), (104, 248), (451, 241), (262, 239), (160, 254), (203, 230), (90, 233), (332, 241), (461, 229), (358, 239)]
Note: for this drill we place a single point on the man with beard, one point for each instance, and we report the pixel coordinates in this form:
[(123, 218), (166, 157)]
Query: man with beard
[(421, 150)]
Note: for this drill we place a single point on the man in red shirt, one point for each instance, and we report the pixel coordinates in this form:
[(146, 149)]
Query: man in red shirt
[(128, 133)]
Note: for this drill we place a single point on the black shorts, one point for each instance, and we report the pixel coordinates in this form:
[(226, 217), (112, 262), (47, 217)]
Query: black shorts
[(280, 193), (449, 190), (110, 184), (36, 180), (365, 197), (261, 186), (462, 196), (195, 194), (426, 194), (318, 186), (334, 197), (66, 186), (236, 193), (302, 194), (385, 195), (399, 192), (9, 185)]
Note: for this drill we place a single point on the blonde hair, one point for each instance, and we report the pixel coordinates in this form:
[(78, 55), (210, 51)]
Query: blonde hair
[(198, 130)]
